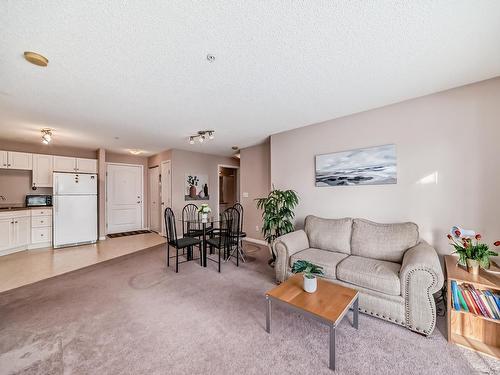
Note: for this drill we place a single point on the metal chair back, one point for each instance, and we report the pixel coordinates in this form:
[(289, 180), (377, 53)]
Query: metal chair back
[(189, 216), (170, 226), (238, 207)]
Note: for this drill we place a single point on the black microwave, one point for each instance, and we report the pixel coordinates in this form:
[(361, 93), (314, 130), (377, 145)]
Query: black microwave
[(38, 200)]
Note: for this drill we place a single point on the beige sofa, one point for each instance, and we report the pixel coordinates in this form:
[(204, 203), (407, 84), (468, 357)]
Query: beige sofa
[(395, 273)]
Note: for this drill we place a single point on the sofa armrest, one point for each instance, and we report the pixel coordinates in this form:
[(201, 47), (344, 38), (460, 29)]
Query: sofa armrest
[(421, 276), (284, 247)]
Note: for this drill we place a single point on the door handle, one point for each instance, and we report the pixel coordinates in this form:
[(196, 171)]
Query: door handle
[(138, 201)]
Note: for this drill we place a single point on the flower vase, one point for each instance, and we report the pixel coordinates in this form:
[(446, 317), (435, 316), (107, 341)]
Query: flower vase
[(192, 191), (310, 285), (204, 217), (473, 266)]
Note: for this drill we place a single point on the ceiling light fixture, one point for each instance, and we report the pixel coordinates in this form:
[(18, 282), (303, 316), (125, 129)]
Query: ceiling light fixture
[(201, 136), (36, 58), (135, 152), (46, 136)]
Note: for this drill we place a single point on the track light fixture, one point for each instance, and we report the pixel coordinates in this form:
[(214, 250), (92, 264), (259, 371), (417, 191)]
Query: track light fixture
[(201, 136)]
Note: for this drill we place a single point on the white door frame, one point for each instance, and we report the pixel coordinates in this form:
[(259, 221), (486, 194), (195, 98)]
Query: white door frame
[(167, 180), (237, 184), (142, 191), (150, 197)]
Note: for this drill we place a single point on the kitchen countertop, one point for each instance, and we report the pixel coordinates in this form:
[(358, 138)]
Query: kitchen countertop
[(17, 207)]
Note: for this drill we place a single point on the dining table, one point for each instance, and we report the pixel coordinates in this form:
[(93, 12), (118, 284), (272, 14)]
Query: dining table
[(203, 224)]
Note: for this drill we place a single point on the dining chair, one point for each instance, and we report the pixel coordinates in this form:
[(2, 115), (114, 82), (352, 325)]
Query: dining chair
[(190, 228), (178, 243), (238, 207), (226, 238)]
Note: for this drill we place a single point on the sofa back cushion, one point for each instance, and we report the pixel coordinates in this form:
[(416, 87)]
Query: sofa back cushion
[(383, 241), (329, 234)]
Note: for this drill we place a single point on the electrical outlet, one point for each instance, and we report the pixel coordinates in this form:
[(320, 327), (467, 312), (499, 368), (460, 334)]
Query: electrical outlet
[(257, 228), (245, 194)]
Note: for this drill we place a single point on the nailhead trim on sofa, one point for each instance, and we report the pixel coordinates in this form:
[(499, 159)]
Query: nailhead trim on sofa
[(429, 300)]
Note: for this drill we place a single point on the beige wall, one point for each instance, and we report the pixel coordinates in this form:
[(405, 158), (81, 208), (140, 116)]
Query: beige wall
[(155, 160), (453, 135), (184, 162), (256, 181), (15, 185)]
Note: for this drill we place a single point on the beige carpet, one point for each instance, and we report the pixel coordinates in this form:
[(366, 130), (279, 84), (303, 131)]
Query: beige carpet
[(133, 317)]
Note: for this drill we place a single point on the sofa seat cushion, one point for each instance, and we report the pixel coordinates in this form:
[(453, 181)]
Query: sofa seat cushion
[(386, 242), (329, 234), (326, 259), (372, 274)]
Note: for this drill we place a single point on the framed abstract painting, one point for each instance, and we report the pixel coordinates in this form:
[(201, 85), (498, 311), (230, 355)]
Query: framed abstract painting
[(364, 166)]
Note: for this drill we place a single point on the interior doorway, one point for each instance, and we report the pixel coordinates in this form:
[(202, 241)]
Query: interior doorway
[(154, 200), (124, 193), (228, 187)]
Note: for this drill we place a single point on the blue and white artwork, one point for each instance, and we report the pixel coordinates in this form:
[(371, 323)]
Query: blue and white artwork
[(365, 166)]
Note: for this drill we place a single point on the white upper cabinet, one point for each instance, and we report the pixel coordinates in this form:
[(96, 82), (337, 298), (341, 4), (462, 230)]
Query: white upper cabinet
[(16, 160), (64, 164), (68, 164), (86, 165), (43, 166)]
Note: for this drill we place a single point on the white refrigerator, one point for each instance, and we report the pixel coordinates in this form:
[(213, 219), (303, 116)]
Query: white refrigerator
[(75, 209)]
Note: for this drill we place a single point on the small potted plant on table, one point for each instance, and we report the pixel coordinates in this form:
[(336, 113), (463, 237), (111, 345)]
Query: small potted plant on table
[(204, 210), (471, 253), (310, 271)]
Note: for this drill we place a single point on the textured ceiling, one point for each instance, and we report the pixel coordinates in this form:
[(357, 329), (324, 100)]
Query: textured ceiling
[(137, 70)]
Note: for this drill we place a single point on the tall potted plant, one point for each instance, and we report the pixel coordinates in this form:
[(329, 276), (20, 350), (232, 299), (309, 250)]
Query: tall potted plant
[(277, 215)]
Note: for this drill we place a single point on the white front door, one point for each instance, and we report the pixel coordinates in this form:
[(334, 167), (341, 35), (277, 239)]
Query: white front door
[(154, 199), (124, 193), (166, 191)]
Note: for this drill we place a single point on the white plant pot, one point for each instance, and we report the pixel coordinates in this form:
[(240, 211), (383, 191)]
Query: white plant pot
[(310, 285), (204, 218)]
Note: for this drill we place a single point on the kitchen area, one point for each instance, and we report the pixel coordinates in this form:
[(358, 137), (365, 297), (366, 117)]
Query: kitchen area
[(46, 201)]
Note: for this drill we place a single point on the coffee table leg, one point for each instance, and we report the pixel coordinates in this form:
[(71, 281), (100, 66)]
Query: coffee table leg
[(355, 313), (332, 347), (268, 314)]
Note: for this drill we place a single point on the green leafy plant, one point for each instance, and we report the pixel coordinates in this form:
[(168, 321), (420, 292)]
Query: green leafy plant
[(466, 248), (309, 269), (277, 214), (192, 180)]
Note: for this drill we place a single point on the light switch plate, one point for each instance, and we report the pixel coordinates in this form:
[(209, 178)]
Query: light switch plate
[(245, 194)]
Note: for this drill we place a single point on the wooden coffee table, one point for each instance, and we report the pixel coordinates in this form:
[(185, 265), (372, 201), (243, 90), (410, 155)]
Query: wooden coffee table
[(329, 304)]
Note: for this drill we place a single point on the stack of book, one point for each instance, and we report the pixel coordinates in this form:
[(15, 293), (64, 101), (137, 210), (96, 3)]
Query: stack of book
[(465, 297)]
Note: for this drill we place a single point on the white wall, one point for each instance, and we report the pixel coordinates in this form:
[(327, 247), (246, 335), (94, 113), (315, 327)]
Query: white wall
[(454, 135)]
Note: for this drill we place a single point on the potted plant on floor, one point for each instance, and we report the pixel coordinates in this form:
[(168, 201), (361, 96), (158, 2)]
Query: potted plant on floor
[(277, 215), (204, 210), (471, 253), (310, 271)]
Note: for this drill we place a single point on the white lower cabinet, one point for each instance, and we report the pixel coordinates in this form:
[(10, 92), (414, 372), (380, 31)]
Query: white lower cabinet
[(15, 231), (41, 227), (25, 229)]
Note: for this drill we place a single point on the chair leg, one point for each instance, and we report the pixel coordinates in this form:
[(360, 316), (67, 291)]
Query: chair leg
[(176, 260), (219, 258), (237, 255), (168, 255), (201, 254)]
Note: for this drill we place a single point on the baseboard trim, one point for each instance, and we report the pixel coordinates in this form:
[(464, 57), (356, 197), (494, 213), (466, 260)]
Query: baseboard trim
[(102, 238), (257, 241)]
